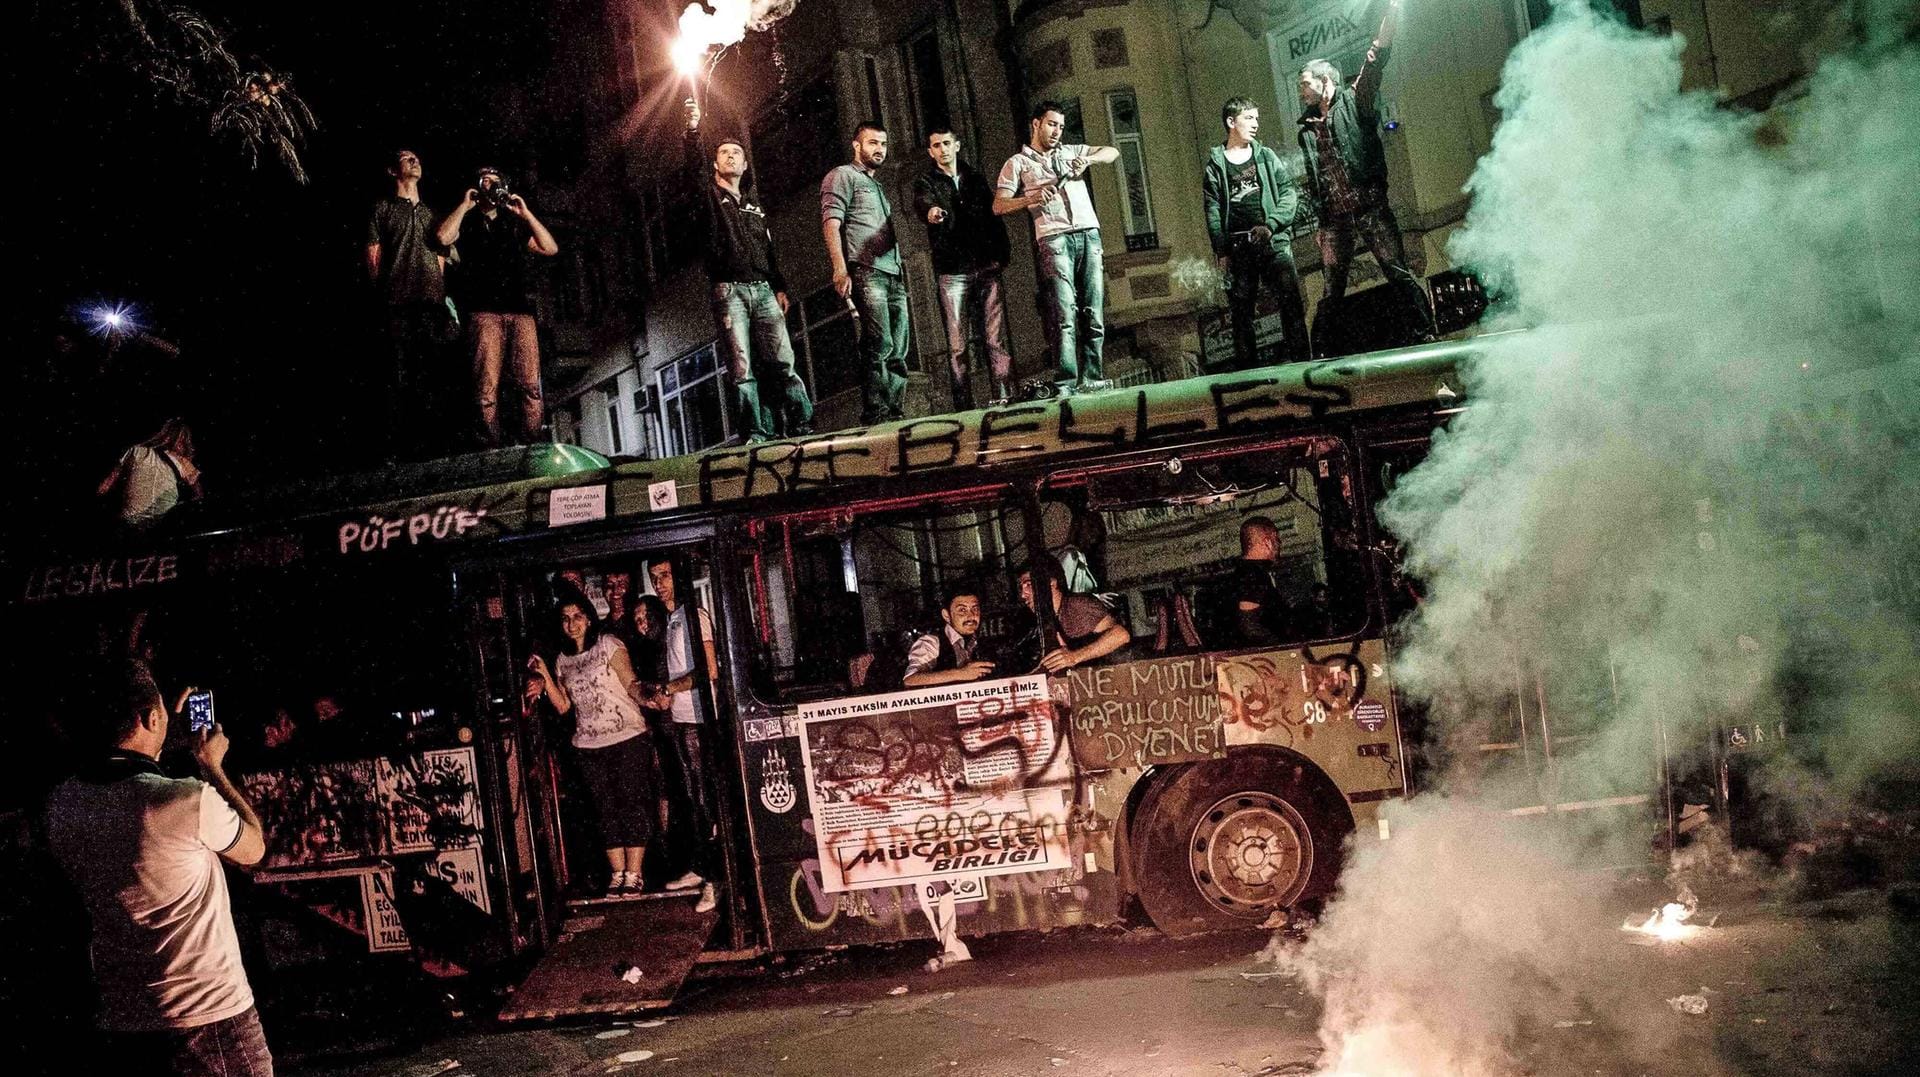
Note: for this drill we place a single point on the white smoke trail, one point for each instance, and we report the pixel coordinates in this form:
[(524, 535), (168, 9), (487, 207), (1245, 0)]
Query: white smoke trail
[(722, 23), (1706, 469)]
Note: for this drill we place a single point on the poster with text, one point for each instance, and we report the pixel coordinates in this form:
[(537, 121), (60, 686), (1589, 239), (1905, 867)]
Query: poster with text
[(944, 782)]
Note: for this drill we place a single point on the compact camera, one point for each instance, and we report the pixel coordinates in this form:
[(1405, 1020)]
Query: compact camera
[(495, 197)]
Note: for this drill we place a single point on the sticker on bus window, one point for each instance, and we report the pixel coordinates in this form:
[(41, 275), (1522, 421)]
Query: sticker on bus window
[(1370, 715), (759, 729)]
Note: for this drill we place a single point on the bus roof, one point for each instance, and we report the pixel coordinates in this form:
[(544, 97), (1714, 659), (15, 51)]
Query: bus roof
[(508, 492)]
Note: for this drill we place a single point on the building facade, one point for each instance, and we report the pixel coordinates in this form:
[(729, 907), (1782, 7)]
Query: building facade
[(1146, 76)]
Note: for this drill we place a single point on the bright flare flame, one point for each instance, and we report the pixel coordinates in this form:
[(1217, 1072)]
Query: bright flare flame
[(1668, 923), (702, 30), (688, 55)]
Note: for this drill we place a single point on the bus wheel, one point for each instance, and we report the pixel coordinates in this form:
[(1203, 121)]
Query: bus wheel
[(1223, 844)]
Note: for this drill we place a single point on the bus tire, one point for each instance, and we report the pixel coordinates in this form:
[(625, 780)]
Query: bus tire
[(1225, 843)]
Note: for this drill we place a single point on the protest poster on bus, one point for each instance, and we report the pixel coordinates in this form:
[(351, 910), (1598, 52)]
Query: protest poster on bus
[(947, 782)]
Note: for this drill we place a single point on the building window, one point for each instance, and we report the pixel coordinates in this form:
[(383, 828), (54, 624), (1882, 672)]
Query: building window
[(1110, 48), (929, 85), (616, 439), (693, 410), (874, 109), (1048, 64), (1123, 114), (1074, 130), (798, 141), (824, 343)]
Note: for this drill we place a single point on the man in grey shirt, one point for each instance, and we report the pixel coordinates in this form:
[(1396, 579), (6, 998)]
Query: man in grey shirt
[(406, 265), (1047, 178), (856, 220)]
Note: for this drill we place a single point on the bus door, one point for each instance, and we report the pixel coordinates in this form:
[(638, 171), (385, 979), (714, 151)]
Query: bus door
[(586, 798)]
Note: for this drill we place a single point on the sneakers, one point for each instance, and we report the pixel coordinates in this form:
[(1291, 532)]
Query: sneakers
[(1095, 385), (686, 882), (709, 899)]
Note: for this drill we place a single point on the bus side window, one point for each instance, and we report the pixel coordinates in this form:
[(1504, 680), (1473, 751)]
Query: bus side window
[(1172, 548), (838, 596)]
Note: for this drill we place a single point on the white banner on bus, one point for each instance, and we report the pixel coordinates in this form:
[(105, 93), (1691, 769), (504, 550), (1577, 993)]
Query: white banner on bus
[(937, 783)]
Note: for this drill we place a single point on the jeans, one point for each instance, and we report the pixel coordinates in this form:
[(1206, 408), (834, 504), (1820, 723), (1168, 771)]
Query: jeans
[(235, 1047), (1073, 278), (963, 296), (880, 300), (494, 335), (1381, 233), (1247, 269), (416, 338), (770, 400), (689, 759)]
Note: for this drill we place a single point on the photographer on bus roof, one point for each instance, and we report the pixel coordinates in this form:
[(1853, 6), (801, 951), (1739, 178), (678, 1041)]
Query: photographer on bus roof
[(493, 284)]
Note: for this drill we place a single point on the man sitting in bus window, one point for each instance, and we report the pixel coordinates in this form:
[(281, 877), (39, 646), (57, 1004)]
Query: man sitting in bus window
[(1261, 618), (1085, 629), (951, 654)]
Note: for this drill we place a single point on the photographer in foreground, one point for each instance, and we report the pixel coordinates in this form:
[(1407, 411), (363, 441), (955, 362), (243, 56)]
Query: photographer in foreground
[(145, 852), (493, 286)]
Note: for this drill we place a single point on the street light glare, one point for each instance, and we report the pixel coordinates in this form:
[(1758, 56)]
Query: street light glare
[(110, 319)]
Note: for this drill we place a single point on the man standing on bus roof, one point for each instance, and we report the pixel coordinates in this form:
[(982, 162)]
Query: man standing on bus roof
[(1250, 204), (1347, 172), (406, 266), (969, 247), (688, 725), (856, 221), (950, 655), (145, 852), (1260, 614), (749, 295), (1047, 178)]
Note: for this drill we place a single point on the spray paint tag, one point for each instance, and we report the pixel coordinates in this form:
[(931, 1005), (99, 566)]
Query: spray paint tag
[(1370, 715)]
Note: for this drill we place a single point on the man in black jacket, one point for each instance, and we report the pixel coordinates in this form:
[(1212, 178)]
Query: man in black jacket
[(1347, 172), (749, 296), (970, 250), (1250, 204)]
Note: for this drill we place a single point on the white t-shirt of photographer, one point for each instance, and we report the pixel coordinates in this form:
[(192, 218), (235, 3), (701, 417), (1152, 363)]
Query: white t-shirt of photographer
[(144, 853)]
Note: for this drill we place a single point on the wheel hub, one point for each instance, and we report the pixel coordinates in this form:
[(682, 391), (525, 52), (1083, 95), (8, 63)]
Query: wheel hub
[(1251, 852)]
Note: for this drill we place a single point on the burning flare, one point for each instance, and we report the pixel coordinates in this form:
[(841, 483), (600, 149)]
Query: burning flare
[(1669, 922), (713, 25)]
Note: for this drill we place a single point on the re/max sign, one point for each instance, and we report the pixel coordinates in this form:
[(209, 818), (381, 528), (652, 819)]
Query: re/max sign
[(99, 577)]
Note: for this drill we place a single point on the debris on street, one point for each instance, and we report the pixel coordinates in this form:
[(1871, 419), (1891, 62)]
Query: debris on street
[(1689, 1004)]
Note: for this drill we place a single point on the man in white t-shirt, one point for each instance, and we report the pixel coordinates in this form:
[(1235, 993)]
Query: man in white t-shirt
[(1048, 179), (683, 683), (144, 850)]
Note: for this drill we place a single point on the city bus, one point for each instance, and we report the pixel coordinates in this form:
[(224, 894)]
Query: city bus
[(367, 642)]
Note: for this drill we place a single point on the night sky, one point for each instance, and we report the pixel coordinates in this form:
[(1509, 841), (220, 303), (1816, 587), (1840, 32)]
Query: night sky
[(257, 278)]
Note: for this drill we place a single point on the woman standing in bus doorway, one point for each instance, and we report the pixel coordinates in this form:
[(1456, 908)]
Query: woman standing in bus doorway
[(596, 683), (646, 639)]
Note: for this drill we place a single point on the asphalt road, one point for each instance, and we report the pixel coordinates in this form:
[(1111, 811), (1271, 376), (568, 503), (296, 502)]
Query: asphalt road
[(1795, 984)]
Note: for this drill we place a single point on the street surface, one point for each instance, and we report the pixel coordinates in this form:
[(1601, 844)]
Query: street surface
[(1796, 984)]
